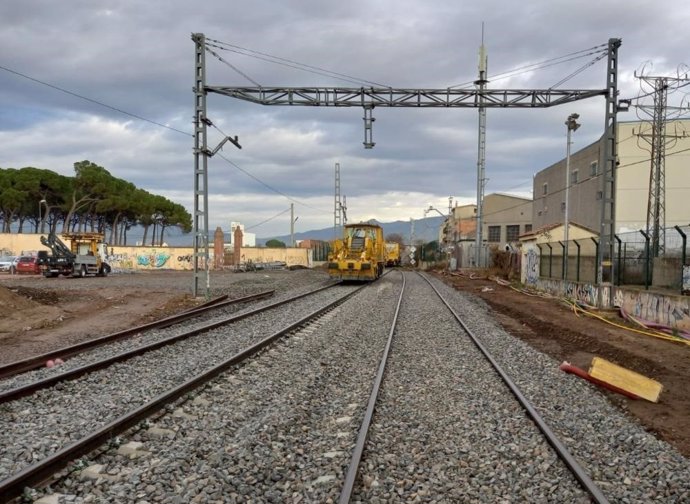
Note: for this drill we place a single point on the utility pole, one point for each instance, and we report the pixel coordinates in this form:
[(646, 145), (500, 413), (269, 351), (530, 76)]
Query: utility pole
[(481, 149), (292, 224), (572, 125)]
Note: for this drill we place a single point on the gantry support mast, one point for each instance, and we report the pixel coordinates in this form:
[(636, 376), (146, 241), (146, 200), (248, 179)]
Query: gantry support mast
[(607, 233), (370, 97), (200, 256)]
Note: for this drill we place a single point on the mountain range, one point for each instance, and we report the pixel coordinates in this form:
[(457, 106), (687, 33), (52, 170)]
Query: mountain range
[(425, 230)]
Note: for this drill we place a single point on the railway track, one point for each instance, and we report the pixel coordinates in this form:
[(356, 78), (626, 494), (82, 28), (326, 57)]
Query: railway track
[(39, 361), (404, 371), (71, 418), (149, 338), (297, 419)]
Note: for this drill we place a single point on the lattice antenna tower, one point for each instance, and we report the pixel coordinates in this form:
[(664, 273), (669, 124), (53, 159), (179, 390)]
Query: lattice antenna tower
[(337, 210), (481, 83)]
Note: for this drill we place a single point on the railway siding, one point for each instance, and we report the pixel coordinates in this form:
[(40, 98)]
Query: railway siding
[(279, 429)]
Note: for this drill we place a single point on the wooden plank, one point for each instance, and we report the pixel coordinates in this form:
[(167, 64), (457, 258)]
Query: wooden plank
[(625, 379)]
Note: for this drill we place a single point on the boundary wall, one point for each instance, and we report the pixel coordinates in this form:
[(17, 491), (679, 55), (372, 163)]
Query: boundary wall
[(157, 258), (672, 310)]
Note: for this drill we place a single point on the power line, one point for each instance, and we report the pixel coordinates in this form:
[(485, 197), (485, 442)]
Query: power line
[(289, 63), (542, 64), (269, 187), (151, 122), (58, 88), (267, 220)]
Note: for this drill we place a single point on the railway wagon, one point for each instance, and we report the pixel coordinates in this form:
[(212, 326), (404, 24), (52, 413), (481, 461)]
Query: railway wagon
[(360, 255), (392, 254)]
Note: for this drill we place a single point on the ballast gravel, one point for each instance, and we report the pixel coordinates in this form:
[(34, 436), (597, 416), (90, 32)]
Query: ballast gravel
[(156, 335), (628, 463), (279, 429), (33, 427), (282, 427)]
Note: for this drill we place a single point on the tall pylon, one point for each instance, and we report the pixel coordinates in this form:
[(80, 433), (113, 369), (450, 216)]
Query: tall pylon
[(658, 140), (481, 150), (337, 211)]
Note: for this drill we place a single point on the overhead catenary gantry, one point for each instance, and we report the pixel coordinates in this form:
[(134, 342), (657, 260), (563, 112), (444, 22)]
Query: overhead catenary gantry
[(371, 97)]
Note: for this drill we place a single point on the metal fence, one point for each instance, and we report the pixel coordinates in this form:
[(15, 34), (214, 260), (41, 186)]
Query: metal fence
[(635, 261)]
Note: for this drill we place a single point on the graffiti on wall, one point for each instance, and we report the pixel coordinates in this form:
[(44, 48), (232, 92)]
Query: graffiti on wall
[(582, 292), (685, 283), (119, 261), (673, 311), (532, 267), (153, 259)]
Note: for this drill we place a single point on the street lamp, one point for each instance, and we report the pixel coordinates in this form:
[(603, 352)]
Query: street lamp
[(40, 214), (571, 124)]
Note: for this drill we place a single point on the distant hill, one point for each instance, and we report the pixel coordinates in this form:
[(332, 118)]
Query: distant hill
[(424, 229)]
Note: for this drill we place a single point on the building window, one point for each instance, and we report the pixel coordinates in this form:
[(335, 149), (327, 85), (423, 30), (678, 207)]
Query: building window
[(545, 189), (573, 176), (593, 168), (528, 228), (494, 233), (512, 233)]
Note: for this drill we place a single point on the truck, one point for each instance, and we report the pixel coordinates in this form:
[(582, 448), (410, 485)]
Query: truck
[(84, 256)]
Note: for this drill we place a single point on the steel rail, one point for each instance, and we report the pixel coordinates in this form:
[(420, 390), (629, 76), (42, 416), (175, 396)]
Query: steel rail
[(38, 361), (30, 388), (37, 473), (560, 449), (358, 450)]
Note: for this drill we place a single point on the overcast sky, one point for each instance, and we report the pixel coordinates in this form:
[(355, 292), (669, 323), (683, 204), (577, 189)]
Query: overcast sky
[(139, 57)]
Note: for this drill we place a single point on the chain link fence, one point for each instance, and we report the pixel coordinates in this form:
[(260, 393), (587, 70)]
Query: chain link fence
[(639, 259)]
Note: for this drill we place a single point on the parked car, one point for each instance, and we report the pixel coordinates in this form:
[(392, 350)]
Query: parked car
[(8, 263), (28, 264)]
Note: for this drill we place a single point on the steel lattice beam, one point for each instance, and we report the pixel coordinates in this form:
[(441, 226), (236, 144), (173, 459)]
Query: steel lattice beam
[(390, 97), (482, 98)]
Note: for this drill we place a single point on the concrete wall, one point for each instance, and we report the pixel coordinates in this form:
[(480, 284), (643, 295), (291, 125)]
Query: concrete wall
[(504, 210), (153, 258)]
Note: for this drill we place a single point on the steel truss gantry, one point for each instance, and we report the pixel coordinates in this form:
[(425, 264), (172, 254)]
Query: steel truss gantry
[(371, 97)]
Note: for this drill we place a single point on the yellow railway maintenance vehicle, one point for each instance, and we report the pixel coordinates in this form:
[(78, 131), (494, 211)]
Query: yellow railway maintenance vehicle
[(360, 255), (392, 254)]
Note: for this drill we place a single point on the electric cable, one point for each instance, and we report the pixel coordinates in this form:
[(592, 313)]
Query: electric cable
[(86, 98), (289, 63)]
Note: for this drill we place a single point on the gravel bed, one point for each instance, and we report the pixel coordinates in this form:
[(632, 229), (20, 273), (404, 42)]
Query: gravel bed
[(155, 335), (445, 427), (36, 426), (279, 429), (628, 463), (282, 428)]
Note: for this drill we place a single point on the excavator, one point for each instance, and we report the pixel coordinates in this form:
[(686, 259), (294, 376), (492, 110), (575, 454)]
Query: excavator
[(84, 256)]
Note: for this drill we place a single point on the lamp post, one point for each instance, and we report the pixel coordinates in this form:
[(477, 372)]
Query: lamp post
[(40, 214), (447, 217), (571, 124)]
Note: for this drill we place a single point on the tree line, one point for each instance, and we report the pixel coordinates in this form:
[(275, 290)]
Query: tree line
[(41, 201)]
